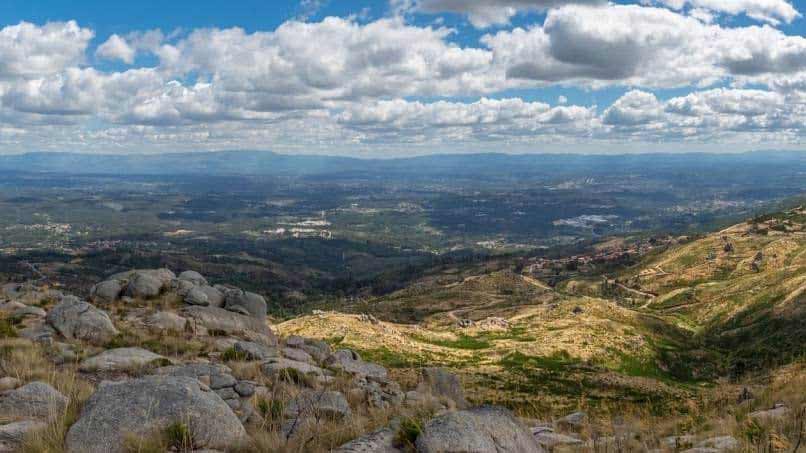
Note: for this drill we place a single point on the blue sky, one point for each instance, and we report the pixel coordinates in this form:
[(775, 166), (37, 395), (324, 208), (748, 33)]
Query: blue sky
[(575, 75)]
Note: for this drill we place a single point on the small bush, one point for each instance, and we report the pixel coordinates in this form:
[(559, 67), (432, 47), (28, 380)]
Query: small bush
[(178, 436), (231, 355), (407, 434), (7, 329)]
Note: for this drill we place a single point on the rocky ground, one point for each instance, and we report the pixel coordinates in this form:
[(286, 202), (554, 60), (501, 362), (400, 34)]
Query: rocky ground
[(156, 362)]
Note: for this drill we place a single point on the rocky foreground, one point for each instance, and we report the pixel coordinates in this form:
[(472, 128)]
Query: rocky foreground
[(160, 362)]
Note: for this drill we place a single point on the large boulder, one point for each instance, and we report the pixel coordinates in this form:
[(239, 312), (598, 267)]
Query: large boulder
[(162, 274), (218, 320), (193, 277), (36, 399), (122, 359), (144, 407), (318, 404), (254, 351), (196, 296), (277, 366), (350, 362), (106, 292), (166, 320), (76, 319), (480, 430), (246, 303), (442, 383), (144, 286)]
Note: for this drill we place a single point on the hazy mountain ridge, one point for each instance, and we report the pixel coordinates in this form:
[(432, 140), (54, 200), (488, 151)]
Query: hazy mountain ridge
[(448, 165)]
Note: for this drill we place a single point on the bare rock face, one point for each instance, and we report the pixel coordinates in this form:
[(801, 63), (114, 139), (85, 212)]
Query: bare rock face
[(165, 320), (442, 383), (319, 404), (484, 429), (106, 292), (76, 319), (144, 286), (142, 407), (230, 323), (246, 303), (122, 359), (36, 399), (350, 362), (193, 277), (254, 351)]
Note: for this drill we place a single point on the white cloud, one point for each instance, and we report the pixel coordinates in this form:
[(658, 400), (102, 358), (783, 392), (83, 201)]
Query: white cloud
[(28, 50), (640, 46), (771, 11), (116, 48), (486, 13), (340, 84)]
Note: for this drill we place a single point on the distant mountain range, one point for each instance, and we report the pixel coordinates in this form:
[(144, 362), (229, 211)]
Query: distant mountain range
[(453, 165)]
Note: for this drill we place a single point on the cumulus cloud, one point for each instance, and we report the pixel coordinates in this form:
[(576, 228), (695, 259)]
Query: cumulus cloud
[(116, 48), (486, 13), (28, 50), (771, 11), (341, 83), (641, 46)]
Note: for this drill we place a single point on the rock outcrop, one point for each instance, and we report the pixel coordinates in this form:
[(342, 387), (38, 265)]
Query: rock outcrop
[(76, 319), (145, 407), (484, 429)]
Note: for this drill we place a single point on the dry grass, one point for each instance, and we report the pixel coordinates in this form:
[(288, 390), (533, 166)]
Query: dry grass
[(27, 362)]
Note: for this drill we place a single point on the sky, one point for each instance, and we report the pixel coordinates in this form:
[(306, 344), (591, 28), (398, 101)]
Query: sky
[(383, 78)]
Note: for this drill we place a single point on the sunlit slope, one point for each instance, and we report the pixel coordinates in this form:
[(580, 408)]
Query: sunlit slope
[(527, 345), (742, 289)]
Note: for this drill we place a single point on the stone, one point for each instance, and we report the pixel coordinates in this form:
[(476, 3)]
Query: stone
[(548, 439), (246, 303), (166, 320), (144, 286), (573, 422), (39, 332), (221, 380), (227, 393), (197, 296), (318, 349), (295, 341), (244, 388), (318, 404), (8, 383), (442, 383), (182, 287), (76, 319), (106, 292), (254, 351), (211, 375), (277, 365), (721, 443), (229, 323), (143, 407), (778, 411), (122, 359), (215, 298), (193, 277), (164, 275), (36, 399), (381, 441), (350, 362), (484, 429), (297, 354), (12, 434)]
